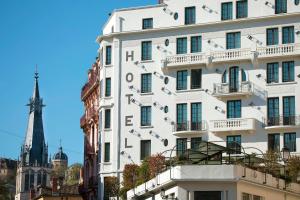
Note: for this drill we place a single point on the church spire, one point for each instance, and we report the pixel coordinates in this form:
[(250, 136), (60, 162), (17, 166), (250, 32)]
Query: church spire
[(35, 150)]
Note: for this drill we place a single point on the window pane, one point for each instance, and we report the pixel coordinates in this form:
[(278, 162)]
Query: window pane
[(190, 15), (273, 111), (288, 35), (108, 55), (181, 80), (107, 152), (181, 45), (272, 72), (107, 118), (233, 40), (234, 144), (181, 146), (147, 50), (196, 116), (181, 117), (274, 142), (242, 9), (290, 141), (196, 76), (288, 71), (272, 36), (234, 109), (196, 44), (146, 116), (146, 83), (145, 149), (226, 11), (280, 6), (148, 23), (108, 87)]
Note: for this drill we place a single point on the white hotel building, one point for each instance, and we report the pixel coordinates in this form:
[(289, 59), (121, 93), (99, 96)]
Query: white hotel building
[(225, 71)]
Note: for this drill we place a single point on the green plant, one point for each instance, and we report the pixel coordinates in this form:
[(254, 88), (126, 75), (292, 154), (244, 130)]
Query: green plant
[(143, 172), (293, 167)]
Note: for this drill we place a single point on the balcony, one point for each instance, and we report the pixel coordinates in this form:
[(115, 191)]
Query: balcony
[(231, 55), (224, 90), (278, 51), (283, 122), (189, 128), (232, 125), (92, 83)]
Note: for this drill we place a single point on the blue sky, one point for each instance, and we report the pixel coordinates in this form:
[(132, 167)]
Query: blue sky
[(59, 36)]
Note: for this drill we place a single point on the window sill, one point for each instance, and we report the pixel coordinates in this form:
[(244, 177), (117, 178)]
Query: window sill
[(189, 90), (107, 129), (146, 127), (106, 163), (147, 61), (106, 98), (147, 94), (282, 83), (107, 66)]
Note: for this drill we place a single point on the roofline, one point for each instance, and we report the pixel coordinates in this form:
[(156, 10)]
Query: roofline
[(102, 37), (132, 8)]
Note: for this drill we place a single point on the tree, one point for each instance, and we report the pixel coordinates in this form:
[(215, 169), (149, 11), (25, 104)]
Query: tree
[(73, 174), (4, 191), (293, 167)]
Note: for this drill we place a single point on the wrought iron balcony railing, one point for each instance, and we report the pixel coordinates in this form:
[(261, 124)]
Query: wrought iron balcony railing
[(190, 126), (291, 120)]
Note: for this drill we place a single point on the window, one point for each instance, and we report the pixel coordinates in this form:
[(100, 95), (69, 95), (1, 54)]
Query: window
[(181, 146), (290, 141), (272, 36), (224, 77), (272, 72), (146, 116), (190, 15), (148, 23), (147, 50), (226, 13), (108, 87), (256, 197), (107, 119), (234, 79), (108, 55), (196, 44), (246, 196), (297, 2), (146, 83), (289, 110), (181, 80), (288, 35), (274, 142), (273, 111), (234, 109), (26, 188), (39, 178), (196, 78), (280, 6), (195, 143), (196, 116), (233, 40), (234, 144), (145, 149), (288, 71), (244, 76), (208, 195), (181, 45), (181, 117), (107, 152), (241, 9)]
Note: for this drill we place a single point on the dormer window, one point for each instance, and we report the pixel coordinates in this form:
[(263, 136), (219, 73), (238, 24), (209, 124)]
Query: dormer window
[(148, 23)]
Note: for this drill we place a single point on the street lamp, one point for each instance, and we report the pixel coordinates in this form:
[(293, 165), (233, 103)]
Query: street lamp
[(285, 155)]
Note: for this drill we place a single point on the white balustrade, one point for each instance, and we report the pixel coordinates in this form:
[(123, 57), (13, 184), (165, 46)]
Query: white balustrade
[(232, 125)]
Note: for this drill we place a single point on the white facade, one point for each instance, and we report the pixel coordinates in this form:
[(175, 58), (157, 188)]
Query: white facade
[(123, 32)]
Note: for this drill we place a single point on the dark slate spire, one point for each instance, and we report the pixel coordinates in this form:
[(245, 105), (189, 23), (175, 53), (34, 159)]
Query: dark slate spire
[(35, 151)]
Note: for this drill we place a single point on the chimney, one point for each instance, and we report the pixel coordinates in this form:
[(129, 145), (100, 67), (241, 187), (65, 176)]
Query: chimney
[(54, 185)]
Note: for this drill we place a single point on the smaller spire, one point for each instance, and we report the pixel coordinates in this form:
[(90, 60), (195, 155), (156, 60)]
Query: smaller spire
[(36, 73)]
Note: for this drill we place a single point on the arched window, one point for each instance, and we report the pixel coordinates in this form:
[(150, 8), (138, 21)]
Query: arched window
[(224, 77), (297, 2), (244, 77)]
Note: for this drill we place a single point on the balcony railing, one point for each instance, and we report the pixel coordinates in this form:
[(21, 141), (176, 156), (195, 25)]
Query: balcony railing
[(233, 125), (232, 55), (282, 121), (190, 127), (225, 89), (278, 50)]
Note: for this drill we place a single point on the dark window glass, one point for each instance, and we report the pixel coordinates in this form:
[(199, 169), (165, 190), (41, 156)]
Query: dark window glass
[(108, 87), (145, 149), (146, 116), (297, 2), (107, 152), (288, 35), (273, 111), (148, 23), (234, 79), (207, 195), (39, 178), (289, 110), (280, 6), (196, 116), (195, 143), (181, 146), (181, 45), (181, 80), (190, 15), (31, 179), (274, 142), (234, 144), (226, 12), (107, 118), (26, 188), (181, 117), (196, 44), (224, 77), (272, 72), (108, 55), (233, 40), (234, 109), (241, 9), (272, 36), (147, 50), (146, 83), (288, 71), (196, 78), (290, 141), (244, 77)]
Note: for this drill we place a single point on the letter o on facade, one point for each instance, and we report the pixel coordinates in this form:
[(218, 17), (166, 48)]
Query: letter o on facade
[(129, 77)]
